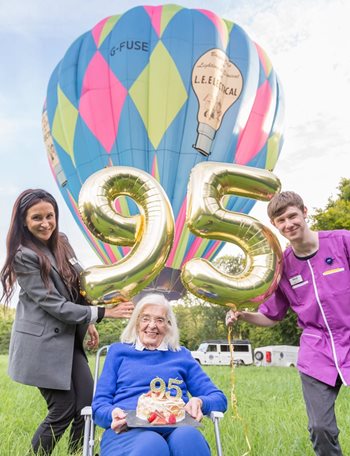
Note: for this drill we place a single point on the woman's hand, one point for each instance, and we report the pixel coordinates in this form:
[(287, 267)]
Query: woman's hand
[(94, 337), (122, 310), (118, 420), (194, 408)]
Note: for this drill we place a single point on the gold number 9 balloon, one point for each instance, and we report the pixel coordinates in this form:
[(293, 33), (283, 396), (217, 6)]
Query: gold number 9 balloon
[(150, 233), (206, 217)]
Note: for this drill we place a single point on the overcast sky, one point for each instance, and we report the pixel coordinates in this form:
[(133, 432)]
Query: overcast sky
[(306, 40)]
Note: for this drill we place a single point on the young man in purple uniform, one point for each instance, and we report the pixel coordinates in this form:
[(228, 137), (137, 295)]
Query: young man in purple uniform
[(315, 284)]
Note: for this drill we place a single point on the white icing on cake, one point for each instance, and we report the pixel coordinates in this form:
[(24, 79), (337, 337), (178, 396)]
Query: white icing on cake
[(165, 408)]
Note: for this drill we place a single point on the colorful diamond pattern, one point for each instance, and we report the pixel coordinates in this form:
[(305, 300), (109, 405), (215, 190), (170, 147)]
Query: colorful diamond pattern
[(136, 107), (107, 28), (161, 16), (153, 84)]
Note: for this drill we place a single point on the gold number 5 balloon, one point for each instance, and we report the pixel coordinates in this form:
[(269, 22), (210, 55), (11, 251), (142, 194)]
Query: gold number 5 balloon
[(207, 218), (150, 233)]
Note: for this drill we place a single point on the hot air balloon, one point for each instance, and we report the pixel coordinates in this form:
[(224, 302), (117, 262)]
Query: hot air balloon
[(161, 89)]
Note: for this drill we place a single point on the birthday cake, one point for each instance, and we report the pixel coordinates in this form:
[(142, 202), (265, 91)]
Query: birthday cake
[(160, 408)]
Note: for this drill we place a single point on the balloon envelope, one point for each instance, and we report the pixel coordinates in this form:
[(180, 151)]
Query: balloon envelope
[(161, 89)]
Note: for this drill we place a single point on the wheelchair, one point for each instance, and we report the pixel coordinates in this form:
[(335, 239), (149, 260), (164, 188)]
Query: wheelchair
[(89, 428)]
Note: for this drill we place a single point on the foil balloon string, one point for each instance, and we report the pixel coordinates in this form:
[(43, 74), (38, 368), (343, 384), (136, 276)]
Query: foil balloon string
[(233, 396)]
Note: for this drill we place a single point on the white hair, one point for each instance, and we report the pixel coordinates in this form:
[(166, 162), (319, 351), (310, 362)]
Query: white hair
[(130, 333)]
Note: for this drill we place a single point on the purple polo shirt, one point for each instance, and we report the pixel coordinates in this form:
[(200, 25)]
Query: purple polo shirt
[(318, 291)]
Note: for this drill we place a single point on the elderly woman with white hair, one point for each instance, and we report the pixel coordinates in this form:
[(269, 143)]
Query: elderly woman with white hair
[(150, 348)]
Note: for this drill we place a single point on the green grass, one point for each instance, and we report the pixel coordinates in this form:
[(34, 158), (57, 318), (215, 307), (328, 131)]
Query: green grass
[(269, 402)]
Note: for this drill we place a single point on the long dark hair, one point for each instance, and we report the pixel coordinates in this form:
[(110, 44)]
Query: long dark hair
[(18, 234)]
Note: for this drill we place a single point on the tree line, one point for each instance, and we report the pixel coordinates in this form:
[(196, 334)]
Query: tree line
[(197, 322)]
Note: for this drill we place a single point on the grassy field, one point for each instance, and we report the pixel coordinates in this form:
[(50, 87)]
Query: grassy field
[(269, 403)]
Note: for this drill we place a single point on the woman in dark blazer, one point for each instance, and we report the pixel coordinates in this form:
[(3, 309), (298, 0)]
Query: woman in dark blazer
[(46, 348)]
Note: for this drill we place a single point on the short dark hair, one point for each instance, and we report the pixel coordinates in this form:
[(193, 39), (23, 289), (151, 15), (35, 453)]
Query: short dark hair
[(281, 201)]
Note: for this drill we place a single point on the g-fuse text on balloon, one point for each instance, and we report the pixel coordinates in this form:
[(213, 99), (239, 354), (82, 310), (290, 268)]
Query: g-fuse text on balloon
[(129, 45)]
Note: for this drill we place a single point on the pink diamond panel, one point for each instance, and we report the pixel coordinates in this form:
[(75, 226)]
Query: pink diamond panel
[(102, 100), (155, 14)]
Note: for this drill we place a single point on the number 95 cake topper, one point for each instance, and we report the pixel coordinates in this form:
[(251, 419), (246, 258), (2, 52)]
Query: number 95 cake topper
[(157, 386)]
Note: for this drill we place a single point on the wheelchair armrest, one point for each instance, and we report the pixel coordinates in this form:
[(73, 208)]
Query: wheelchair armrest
[(216, 416), (86, 411)]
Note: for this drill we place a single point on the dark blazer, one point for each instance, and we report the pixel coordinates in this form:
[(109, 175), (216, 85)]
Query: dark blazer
[(46, 322)]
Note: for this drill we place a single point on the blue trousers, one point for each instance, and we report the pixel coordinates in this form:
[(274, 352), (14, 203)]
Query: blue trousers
[(181, 441)]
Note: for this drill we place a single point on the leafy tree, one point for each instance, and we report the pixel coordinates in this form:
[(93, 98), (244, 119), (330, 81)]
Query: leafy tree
[(336, 214), (200, 322), (285, 332), (110, 330), (6, 320)]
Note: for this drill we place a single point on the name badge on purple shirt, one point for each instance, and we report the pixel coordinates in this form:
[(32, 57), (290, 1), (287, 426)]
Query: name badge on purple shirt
[(295, 280)]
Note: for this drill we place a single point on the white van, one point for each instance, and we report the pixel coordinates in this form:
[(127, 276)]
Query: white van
[(276, 355), (217, 352)]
